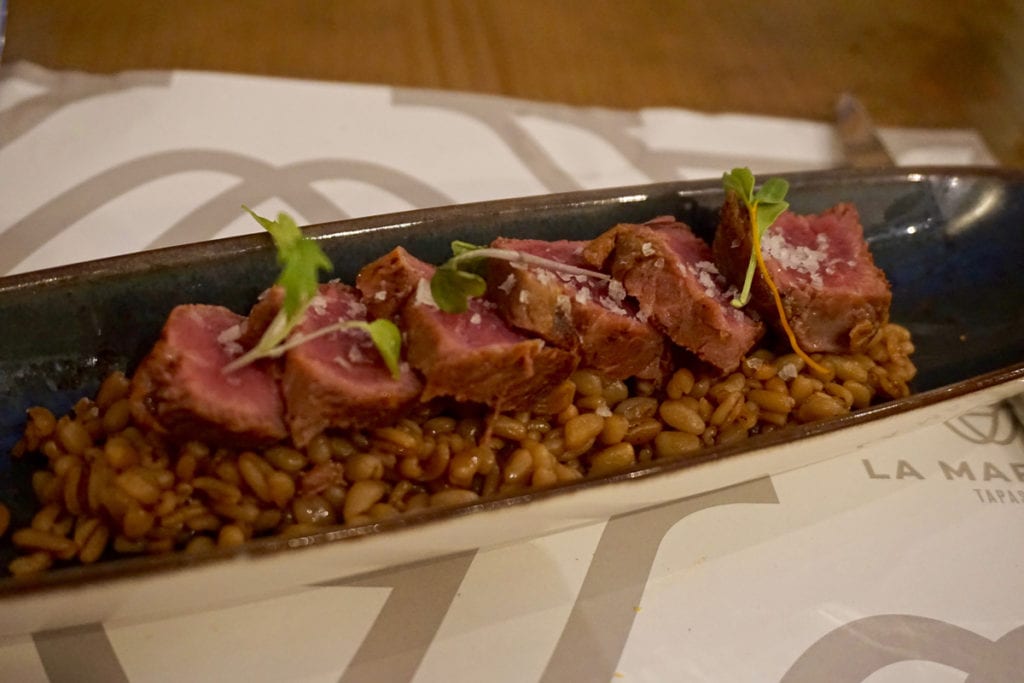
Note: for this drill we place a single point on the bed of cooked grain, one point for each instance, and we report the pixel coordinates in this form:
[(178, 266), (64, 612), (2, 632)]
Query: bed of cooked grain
[(109, 489)]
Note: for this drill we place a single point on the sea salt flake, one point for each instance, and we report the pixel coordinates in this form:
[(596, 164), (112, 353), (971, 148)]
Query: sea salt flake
[(611, 305), (475, 319), (356, 355), (230, 334), (582, 295), (787, 372), (356, 309), (382, 295), (228, 340), (603, 411), (707, 267), (616, 291), (708, 283), (524, 297), (423, 295), (544, 276), (319, 304), (647, 249), (797, 258), (508, 284), (233, 349)]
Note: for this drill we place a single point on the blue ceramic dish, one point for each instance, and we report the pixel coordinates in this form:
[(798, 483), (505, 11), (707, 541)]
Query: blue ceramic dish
[(951, 241)]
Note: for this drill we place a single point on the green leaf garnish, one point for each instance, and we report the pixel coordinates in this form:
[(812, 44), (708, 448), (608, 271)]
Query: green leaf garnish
[(459, 247), (461, 276), (301, 260), (767, 213), (772, 192), (388, 339), (452, 288), (763, 207), (740, 181)]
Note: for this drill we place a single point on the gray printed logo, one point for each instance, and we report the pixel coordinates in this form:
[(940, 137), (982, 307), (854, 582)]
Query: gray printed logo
[(989, 424), (595, 635), (598, 625), (855, 651)]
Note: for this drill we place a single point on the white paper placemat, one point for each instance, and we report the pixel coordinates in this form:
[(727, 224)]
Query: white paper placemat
[(898, 564), (93, 166)]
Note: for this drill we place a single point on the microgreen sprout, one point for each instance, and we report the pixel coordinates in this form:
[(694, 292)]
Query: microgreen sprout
[(301, 260), (460, 278), (763, 207), (384, 334)]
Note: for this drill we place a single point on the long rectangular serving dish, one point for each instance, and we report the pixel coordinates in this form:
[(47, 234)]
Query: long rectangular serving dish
[(951, 241)]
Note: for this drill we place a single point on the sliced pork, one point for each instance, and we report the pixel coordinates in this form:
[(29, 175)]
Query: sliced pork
[(834, 296), (670, 272), (339, 379), (588, 316), (179, 389)]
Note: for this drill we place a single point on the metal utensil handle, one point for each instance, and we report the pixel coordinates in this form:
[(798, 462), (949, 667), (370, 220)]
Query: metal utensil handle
[(858, 135)]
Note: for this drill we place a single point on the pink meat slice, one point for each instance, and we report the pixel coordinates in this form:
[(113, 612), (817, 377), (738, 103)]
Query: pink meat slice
[(389, 281), (475, 356), (670, 272), (590, 317), (339, 379), (261, 315), (834, 296), (179, 389)]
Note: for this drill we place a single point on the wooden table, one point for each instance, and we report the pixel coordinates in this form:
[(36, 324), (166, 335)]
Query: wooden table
[(913, 62)]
